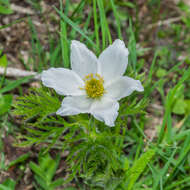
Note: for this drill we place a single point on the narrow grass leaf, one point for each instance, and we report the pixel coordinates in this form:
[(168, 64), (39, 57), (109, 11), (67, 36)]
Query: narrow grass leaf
[(20, 159), (161, 175), (96, 25), (63, 35), (106, 35), (74, 26), (78, 8), (36, 47), (115, 12), (182, 155), (14, 84)]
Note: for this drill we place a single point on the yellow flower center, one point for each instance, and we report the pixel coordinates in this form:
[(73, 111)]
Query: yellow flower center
[(94, 86)]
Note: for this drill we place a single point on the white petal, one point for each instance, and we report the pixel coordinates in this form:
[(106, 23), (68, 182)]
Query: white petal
[(113, 60), (63, 81), (105, 110), (83, 61), (74, 105), (123, 86)]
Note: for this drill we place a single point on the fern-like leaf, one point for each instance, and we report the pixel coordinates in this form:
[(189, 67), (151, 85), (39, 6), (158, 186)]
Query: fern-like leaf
[(39, 103), (137, 169)]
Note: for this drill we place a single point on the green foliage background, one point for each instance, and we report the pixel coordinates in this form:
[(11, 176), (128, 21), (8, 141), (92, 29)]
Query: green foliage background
[(99, 157)]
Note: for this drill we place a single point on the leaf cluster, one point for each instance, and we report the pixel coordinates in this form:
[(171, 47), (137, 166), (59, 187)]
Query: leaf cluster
[(95, 151), (45, 172), (8, 184), (5, 7), (39, 103)]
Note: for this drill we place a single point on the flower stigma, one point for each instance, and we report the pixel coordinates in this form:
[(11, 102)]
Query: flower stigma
[(94, 86)]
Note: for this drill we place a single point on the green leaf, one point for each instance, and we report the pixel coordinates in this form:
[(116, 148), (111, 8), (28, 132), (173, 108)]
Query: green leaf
[(38, 102), (161, 72), (187, 102), (128, 4), (14, 84), (64, 40), (179, 107), (4, 2), (5, 103), (5, 7), (117, 19), (37, 170), (10, 24), (125, 163), (138, 167), (2, 161), (74, 26), (8, 184), (57, 183), (3, 60), (20, 159), (45, 171), (5, 10), (106, 35)]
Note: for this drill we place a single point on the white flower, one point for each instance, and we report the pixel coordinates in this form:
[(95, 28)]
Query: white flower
[(94, 85)]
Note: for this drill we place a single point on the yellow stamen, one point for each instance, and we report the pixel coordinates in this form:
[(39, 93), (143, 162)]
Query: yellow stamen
[(94, 86)]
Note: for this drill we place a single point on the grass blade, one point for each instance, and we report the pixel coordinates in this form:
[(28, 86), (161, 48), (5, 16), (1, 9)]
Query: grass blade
[(117, 19), (74, 26), (63, 35)]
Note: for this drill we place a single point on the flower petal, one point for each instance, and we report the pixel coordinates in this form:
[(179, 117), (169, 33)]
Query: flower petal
[(113, 60), (74, 105), (123, 86), (63, 81), (105, 110), (83, 61)]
